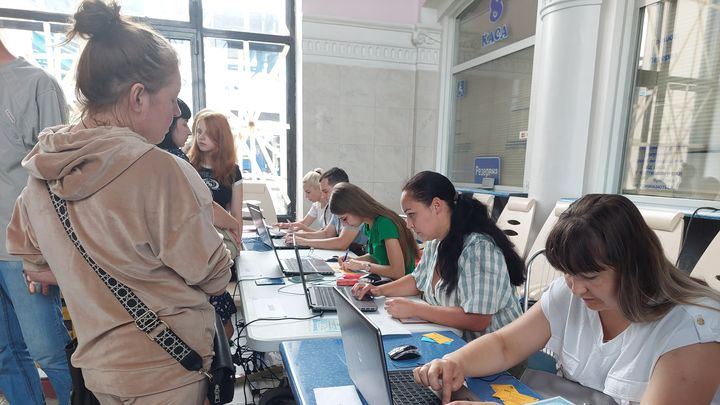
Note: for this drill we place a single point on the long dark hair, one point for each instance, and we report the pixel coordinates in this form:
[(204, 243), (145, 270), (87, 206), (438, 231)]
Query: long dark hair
[(185, 113), (607, 231), (350, 199), (468, 215)]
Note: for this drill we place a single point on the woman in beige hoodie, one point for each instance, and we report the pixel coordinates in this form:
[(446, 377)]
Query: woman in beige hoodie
[(143, 216)]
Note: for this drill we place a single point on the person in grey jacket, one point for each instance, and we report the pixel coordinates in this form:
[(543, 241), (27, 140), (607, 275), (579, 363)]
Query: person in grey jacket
[(31, 323)]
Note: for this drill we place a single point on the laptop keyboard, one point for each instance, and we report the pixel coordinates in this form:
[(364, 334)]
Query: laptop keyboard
[(406, 391), (324, 296), (292, 265), (310, 265)]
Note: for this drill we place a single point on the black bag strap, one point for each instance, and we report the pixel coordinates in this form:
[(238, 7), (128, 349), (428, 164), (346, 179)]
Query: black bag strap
[(145, 319)]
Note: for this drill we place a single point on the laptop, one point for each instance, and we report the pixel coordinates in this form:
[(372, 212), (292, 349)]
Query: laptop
[(312, 265), (321, 298), (365, 358), (264, 233)]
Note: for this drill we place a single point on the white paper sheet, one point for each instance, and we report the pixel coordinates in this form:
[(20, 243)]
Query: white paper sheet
[(344, 395), (390, 326), (268, 308)]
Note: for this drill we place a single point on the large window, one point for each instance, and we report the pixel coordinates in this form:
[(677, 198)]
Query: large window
[(673, 140), (235, 57), (491, 92)]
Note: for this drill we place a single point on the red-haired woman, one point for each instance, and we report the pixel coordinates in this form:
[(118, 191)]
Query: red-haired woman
[(213, 156)]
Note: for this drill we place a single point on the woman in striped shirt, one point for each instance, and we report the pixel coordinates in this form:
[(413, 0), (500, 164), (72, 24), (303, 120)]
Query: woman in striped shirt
[(468, 268)]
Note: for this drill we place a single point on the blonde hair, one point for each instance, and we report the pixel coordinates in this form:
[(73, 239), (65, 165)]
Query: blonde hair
[(312, 178)]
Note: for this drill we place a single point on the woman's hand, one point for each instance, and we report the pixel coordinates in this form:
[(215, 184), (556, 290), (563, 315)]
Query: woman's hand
[(40, 281), (353, 265), (285, 225), (402, 307), (299, 240), (360, 290), (443, 375)]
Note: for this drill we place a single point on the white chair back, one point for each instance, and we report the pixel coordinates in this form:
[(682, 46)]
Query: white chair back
[(257, 192), (707, 268), (515, 221), (668, 228), (539, 272), (487, 199)]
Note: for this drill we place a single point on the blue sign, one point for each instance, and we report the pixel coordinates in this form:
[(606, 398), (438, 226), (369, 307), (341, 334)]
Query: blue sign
[(461, 88), (496, 10), (500, 33), (487, 166)]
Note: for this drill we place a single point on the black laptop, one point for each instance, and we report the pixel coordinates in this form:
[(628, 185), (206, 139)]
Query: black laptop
[(321, 298), (365, 357)]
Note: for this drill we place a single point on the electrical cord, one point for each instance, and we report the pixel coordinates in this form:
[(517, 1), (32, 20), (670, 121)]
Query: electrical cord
[(284, 318), (683, 240)]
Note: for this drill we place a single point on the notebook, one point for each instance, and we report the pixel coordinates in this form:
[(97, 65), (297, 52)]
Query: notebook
[(365, 357), (264, 233), (320, 298)]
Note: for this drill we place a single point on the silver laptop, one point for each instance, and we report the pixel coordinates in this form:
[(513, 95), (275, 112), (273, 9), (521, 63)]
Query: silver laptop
[(312, 265), (320, 298), (266, 236), (365, 357)]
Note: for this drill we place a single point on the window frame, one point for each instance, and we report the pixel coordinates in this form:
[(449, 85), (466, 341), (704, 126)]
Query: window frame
[(447, 116), (618, 152), (194, 32)]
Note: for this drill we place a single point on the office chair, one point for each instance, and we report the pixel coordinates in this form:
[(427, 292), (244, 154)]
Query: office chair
[(539, 271), (487, 199), (706, 269), (668, 228), (515, 221)]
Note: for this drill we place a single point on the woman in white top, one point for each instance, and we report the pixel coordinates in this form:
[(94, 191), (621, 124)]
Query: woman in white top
[(318, 213), (623, 321)]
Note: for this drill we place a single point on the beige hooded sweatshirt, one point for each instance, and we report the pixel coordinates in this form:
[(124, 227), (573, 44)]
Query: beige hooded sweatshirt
[(145, 217)]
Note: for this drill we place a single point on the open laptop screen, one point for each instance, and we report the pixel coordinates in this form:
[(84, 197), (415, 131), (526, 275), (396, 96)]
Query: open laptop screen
[(364, 352), (259, 223), (302, 273)]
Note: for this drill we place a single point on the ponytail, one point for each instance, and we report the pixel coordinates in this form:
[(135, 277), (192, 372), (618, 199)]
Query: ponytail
[(467, 215)]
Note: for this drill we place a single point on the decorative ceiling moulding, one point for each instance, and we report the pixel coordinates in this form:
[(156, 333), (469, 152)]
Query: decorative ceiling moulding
[(355, 43), (372, 55)]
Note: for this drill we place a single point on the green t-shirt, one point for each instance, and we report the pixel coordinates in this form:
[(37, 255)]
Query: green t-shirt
[(383, 228)]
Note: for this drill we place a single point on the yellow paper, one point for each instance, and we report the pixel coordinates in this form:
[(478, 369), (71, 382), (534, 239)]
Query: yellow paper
[(510, 395), (438, 338)]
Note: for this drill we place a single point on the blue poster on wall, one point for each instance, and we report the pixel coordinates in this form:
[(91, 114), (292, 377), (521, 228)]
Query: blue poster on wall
[(487, 166)]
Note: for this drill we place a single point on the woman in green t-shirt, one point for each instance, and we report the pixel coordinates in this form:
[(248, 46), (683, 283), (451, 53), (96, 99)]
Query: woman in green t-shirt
[(391, 247)]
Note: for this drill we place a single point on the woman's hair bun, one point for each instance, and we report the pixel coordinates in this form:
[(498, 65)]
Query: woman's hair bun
[(95, 18)]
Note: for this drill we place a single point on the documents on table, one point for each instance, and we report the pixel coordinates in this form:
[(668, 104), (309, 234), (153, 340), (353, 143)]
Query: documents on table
[(268, 308), (389, 326), (343, 395), (510, 395)]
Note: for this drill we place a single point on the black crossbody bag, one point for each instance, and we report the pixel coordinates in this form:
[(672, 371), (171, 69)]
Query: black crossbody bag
[(221, 375)]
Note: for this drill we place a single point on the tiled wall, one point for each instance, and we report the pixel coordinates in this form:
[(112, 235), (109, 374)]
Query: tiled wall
[(379, 125), (378, 121)]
